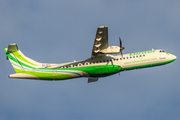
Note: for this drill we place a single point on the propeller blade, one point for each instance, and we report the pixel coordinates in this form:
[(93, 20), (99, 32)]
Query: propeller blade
[(121, 53), (120, 45), (120, 42)]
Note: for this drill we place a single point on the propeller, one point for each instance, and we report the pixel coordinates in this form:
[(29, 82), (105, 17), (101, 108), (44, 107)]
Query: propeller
[(121, 48)]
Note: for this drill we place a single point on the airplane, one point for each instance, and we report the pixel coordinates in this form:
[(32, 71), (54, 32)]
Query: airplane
[(101, 63)]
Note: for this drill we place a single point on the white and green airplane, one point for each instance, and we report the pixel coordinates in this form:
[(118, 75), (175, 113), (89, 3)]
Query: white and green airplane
[(100, 64)]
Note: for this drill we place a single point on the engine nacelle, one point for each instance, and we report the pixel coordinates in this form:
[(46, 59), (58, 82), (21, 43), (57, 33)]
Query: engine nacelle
[(111, 50)]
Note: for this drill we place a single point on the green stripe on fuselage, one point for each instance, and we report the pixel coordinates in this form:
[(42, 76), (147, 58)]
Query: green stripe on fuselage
[(96, 70), (66, 73)]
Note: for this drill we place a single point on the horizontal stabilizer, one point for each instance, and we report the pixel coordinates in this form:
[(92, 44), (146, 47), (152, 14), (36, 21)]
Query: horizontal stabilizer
[(12, 48)]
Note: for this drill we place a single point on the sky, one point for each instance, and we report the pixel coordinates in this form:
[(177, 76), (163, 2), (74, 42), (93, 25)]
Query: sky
[(60, 31)]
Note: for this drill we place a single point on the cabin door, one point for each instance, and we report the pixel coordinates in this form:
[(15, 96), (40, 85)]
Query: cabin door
[(54, 72)]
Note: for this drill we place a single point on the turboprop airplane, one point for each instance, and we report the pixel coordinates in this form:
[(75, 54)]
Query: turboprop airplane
[(101, 63)]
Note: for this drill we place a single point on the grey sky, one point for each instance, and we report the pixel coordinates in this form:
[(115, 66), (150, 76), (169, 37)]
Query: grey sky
[(62, 31)]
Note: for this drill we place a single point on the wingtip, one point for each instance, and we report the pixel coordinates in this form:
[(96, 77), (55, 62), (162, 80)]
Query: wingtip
[(103, 26)]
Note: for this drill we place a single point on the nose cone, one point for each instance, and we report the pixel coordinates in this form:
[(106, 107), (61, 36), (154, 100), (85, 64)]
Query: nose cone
[(174, 57)]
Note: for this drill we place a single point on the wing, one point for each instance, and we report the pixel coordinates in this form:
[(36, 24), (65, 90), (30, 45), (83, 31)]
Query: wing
[(101, 41)]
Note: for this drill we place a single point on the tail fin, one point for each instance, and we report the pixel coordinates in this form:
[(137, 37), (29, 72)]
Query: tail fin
[(19, 61)]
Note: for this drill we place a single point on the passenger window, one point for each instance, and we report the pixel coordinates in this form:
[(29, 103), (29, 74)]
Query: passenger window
[(124, 58), (100, 61), (120, 58), (140, 56), (144, 55), (107, 60), (104, 61), (133, 56), (86, 63), (130, 57), (136, 56), (127, 57)]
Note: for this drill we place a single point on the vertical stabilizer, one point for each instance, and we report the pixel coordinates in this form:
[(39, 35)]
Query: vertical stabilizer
[(19, 61)]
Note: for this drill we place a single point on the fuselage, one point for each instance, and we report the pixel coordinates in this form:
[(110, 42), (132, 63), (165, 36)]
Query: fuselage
[(97, 67), (100, 64)]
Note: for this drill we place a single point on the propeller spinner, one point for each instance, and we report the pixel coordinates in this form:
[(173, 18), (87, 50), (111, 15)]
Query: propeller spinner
[(121, 48)]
